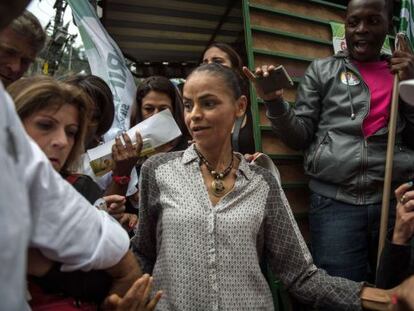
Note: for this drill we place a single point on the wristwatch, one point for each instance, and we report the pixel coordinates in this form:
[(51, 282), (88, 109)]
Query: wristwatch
[(121, 180)]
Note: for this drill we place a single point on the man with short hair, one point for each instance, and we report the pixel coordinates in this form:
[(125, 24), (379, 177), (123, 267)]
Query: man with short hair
[(39, 209), (340, 120), (20, 43)]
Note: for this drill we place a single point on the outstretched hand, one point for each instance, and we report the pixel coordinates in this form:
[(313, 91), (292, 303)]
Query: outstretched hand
[(137, 297), (263, 71)]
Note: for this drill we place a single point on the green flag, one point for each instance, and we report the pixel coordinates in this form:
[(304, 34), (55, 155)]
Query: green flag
[(406, 20)]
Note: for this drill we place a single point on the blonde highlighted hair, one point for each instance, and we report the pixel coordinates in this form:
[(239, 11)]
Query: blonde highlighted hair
[(41, 92)]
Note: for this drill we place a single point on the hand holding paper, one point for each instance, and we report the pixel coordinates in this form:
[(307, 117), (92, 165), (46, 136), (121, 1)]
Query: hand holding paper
[(125, 154), (155, 131)]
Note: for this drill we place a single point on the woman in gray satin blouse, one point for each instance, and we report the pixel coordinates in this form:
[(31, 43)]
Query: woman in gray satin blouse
[(208, 218)]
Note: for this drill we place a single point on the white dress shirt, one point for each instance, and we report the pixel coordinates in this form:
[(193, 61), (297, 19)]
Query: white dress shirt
[(39, 209)]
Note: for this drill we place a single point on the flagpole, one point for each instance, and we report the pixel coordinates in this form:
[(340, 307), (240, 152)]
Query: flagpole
[(392, 126), (403, 41)]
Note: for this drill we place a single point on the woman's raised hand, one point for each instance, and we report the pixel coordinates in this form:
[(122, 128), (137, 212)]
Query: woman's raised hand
[(125, 155)]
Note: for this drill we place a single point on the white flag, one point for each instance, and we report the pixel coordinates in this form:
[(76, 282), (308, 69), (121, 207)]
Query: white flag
[(407, 20), (107, 62)]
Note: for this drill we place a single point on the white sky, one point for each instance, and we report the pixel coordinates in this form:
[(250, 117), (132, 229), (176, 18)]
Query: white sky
[(43, 10)]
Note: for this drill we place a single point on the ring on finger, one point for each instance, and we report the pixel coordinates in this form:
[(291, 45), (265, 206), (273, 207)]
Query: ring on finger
[(402, 199)]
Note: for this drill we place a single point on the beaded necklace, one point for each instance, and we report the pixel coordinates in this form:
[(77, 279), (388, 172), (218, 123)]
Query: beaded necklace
[(217, 185)]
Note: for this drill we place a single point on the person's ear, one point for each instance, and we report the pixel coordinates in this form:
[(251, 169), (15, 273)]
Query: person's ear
[(241, 106)]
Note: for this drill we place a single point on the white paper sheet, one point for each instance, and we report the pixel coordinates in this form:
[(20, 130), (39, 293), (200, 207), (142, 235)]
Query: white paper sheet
[(155, 131)]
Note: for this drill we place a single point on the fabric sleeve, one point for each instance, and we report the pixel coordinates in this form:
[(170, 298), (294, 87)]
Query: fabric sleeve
[(145, 239), (88, 188), (394, 266), (296, 126), (407, 112), (66, 228), (63, 225), (290, 260)]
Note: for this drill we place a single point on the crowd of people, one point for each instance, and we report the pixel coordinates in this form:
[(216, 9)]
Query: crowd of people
[(203, 220)]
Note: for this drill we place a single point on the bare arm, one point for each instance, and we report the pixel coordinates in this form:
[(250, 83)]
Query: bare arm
[(37, 264), (124, 274)]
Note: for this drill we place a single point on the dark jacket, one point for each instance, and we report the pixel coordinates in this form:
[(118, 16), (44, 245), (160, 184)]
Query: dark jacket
[(326, 123), (396, 264)]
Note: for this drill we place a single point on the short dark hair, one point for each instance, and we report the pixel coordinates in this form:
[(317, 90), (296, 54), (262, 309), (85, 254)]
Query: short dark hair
[(28, 25), (101, 96), (229, 76), (162, 85), (235, 59), (236, 62), (389, 7)]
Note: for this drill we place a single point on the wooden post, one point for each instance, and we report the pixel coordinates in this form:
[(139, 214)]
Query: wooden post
[(392, 126)]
